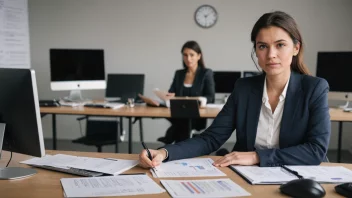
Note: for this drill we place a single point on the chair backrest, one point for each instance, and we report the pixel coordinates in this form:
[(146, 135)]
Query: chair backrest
[(184, 108), (124, 86), (107, 128)]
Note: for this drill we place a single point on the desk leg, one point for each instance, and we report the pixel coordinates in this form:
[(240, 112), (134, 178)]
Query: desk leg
[(129, 135), (339, 143), (54, 131)]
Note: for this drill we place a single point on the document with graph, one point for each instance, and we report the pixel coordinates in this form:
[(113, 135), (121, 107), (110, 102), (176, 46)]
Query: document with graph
[(204, 188), (199, 167)]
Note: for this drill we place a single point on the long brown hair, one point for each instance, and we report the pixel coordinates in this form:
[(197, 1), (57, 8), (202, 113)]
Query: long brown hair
[(195, 47), (287, 23)]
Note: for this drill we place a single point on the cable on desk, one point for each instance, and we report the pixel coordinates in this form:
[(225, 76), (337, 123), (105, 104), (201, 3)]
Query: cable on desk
[(9, 160)]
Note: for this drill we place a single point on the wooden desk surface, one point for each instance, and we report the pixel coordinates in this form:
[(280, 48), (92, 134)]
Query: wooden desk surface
[(145, 111), (137, 111), (47, 183)]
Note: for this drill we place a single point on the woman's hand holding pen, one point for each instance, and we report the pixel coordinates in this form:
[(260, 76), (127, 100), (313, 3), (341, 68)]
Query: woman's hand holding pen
[(238, 158), (157, 155), (170, 95)]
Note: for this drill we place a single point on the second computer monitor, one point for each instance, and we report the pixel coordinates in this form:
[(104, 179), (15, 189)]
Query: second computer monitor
[(225, 80), (19, 111), (336, 68), (124, 86)]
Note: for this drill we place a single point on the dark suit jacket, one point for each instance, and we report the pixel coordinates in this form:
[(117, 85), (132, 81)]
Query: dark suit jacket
[(305, 126), (203, 84)]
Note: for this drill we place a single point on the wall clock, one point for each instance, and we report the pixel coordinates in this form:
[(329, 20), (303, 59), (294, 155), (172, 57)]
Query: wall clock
[(206, 16)]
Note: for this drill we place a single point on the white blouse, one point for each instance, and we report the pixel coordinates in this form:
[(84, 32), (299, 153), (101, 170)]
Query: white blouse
[(269, 124)]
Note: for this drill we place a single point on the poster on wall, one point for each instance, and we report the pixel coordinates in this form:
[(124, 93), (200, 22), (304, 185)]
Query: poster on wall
[(14, 34)]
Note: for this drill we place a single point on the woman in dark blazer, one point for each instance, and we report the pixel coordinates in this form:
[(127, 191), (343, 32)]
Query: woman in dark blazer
[(193, 80), (281, 117)]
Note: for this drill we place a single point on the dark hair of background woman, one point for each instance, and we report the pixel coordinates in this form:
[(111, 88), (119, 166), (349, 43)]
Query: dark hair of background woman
[(195, 47), (287, 23)]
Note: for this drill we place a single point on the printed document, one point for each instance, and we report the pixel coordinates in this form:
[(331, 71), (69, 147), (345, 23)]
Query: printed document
[(198, 167), (110, 186), (108, 166), (204, 188), (278, 175)]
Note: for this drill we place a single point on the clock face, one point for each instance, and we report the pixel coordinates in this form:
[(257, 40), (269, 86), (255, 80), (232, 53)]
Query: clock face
[(206, 16)]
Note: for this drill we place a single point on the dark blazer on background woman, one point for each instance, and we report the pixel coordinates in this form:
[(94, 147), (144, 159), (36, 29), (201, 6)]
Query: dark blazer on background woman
[(203, 85)]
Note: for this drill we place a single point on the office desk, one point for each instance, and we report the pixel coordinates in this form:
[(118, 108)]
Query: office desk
[(140, 111), (47, 183), (152, 112)]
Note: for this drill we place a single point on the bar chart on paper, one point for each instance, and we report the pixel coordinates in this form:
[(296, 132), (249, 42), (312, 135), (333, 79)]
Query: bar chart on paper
[(204, 188), (201, 167)]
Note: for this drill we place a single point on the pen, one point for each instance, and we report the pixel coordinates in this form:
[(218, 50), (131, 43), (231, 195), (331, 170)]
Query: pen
[(292, 172), (134, 174), (149, 154)]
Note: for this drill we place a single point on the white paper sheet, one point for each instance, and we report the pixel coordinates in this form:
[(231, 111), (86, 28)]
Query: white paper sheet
[(204, 188), (110, 186), (199, 167), (107, 166)]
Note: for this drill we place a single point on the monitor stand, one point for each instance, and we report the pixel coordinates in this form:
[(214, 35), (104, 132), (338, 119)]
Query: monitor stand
[(75, 96), (347, 106), (12, 172)]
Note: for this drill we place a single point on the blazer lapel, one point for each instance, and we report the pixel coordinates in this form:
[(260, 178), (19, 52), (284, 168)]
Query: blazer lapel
[(196, 82), (294, 95), (182, 80), (253, 111)]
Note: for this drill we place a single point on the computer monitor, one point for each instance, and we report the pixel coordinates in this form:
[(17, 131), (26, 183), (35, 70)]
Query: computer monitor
[(20, 117), (251, 73), (77, 69), (225, 81), (336, 68), (120, 87)]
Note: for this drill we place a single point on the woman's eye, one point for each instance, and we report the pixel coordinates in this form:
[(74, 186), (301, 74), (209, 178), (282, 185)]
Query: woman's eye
[(280, 45), (261, 46)]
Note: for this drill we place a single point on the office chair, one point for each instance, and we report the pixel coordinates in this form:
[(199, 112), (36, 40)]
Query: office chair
[(122, 87), (185, 109), (100, 133)]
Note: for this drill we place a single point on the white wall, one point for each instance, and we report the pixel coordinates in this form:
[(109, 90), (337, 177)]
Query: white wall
[(146, 37)]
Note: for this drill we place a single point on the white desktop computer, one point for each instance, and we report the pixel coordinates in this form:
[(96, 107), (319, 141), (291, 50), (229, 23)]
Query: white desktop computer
[(20, 121), (75, 70)]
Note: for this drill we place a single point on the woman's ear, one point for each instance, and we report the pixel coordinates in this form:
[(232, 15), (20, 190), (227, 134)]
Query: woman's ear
[(296, 49)]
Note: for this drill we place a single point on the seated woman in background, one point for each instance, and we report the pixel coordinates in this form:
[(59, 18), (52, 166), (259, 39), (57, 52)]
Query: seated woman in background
[(281, 117), (193, 80)]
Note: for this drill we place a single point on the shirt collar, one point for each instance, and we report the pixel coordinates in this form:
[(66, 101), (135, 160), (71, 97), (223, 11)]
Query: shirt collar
[(282, 95)]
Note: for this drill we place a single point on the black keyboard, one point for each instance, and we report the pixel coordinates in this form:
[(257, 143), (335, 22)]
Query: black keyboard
[(73, 171), (96, 105)]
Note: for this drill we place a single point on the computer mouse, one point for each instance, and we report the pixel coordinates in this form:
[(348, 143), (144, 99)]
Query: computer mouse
[(344, 189), (303, 188)]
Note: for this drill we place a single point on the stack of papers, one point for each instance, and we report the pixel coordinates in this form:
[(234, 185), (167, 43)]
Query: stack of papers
[(198, 167), (107, 166), (204, 188), (278, 175), (110, 186)]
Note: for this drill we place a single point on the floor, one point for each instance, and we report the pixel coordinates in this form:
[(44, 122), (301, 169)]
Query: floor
[(346, 156)]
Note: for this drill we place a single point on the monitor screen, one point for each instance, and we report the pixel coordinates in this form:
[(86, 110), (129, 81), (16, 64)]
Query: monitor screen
[(336, 68), (124, 86), (77, 69), (19, 111), (225, 81)]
